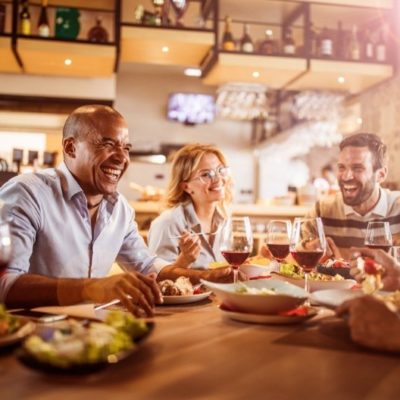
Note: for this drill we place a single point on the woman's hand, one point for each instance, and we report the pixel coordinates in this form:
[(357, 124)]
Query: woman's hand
[(223, 275), (190, 248)]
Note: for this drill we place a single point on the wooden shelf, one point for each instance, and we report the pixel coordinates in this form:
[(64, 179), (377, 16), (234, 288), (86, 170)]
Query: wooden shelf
[(274, 71), (358, 76), (46, 57), (8, 61), (144, 45)]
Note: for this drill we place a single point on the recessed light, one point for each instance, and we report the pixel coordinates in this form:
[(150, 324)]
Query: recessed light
[(269, 32), (359, 120), (341, 79), (165, 49), (256, 74), (192, 72), (67, 61)]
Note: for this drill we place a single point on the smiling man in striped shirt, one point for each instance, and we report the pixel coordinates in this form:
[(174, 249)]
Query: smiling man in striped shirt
[(362, 167)]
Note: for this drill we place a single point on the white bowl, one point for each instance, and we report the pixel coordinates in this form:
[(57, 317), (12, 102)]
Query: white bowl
[(286, 298), (255, 271)]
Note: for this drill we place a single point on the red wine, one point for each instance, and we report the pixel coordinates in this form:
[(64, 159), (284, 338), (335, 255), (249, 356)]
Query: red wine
[(235, 258), (279, 251), (307, 259), (383, 247)]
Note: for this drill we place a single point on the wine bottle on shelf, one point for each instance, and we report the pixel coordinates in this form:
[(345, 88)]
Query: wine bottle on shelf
[(25, 19), (289, 46), (369, 48), (354, 45), (43, 22), (268, 45), (246, 44), (98, 33), (381, 48), (325, 44), (228, 43), (340, 45)]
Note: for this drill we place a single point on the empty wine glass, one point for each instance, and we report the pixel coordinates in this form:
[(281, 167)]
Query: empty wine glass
[(278, 236), (307, 245), (5, 245), (378, 236), (236, 242)]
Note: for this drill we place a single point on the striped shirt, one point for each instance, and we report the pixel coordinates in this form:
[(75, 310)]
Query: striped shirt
[(348, 228)]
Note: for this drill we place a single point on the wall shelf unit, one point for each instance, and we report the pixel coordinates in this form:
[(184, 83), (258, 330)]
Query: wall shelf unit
[(8, 62)]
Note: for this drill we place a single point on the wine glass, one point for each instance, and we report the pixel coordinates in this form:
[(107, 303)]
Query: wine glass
[(307, 245), (5, 245), (278, 236), (236, 242), (378, 236), (179, 7)]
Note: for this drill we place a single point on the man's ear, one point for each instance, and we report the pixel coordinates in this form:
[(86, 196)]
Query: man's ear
[(381, 174), (69, 147)]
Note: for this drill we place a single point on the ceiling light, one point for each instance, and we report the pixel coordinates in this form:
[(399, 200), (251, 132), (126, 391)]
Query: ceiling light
[(359, 120), (341, 79), (67, 61), (256, 74), (192, 72), (165, 49)]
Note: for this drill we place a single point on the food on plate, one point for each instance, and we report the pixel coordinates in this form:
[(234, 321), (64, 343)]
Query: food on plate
[(77, 343), (181, 287), (8, 323), (371, 271), (252, 290), (335, 267), (258, 260), (294, 271), (217, 264), (391, 299)]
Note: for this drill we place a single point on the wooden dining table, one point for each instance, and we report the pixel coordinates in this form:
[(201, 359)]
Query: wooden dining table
[(195, 352)]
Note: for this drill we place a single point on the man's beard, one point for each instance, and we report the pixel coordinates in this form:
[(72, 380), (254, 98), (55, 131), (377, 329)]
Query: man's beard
[(363, 193)]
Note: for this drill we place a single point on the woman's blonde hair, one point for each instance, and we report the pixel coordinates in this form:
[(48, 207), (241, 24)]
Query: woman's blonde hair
[(185, 161)]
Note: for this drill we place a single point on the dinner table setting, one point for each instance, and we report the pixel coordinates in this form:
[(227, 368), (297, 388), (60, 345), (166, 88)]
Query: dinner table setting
[(273, 335)]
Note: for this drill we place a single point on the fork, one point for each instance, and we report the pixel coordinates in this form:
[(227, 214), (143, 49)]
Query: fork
[(198, 234)]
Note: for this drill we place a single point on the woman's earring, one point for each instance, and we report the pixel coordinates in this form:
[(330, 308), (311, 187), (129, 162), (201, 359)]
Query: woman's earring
[(192, 192)]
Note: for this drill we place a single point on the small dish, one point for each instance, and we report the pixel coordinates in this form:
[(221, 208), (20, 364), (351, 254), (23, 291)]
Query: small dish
[(275, 319), (333, 298), (27, 327), (239, 296), (185, 299), (255, 271)]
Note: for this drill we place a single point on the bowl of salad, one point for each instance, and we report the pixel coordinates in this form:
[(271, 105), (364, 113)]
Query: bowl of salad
[(84, 346), (269, 296)]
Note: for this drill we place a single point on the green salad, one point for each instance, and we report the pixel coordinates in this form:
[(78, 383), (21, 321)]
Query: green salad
[(8, 323), (294, 271), (76, 344)]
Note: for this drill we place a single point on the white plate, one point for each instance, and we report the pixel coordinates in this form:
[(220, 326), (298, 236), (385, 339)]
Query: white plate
[(26, 329), (255, 271), (185, 299), (333, 298), (286, 296), (317, 284), (267, 319)]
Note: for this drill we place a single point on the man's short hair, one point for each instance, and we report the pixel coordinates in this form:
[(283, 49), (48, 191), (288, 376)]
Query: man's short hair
[(374, 144)]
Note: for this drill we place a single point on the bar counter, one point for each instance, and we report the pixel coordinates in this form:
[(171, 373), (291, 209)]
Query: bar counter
[(195, 353)]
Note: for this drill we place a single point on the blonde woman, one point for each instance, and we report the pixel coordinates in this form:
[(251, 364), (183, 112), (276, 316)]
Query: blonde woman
[(189, 231)]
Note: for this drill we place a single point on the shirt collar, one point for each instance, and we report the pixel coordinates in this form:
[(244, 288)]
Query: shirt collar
[(193, 220), (380, 208), (71, 187)]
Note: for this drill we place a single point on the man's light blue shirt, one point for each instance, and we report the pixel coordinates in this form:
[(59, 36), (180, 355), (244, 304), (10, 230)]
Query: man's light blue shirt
[(52, 233)]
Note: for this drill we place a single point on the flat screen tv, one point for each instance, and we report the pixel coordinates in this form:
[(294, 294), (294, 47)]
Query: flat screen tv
[(191, 108)]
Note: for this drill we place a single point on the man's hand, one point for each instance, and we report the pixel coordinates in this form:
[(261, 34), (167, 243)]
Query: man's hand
[(190, 247), (134, 290), (371, 323), (331, 251)]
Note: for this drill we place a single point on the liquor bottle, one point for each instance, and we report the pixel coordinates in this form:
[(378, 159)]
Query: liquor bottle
[(381, 48), (325, 44), (354, 46), (340, 45), (268, 45), (2, 17), (98, 34), (228, 43), (289, 46), (25, 19), (314, 40), (43, 22), (246, 44), (369, 48)]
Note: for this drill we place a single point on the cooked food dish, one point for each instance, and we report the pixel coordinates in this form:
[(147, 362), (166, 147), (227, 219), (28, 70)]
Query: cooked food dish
[(252, 290), (335, 267), (371, 271), (76, 343), (293, 271), (8, 323), (181, 287)]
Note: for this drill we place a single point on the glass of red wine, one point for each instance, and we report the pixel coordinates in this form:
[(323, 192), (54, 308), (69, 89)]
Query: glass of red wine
[(307, 245), (278, 236), (5, 245), (236, 242), (378, 236)]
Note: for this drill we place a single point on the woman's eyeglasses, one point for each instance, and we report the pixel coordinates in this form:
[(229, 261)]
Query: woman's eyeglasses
[(207, 176)]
